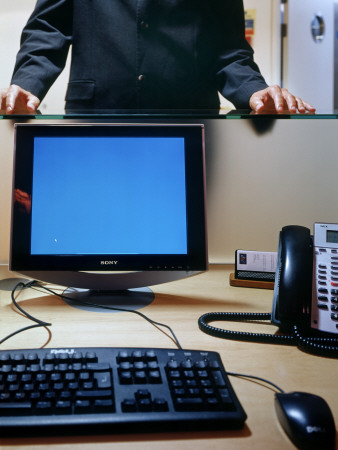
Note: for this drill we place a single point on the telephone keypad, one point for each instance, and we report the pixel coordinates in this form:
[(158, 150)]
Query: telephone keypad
[(324, 313)]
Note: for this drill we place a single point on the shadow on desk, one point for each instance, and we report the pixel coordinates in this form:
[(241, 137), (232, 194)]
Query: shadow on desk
[(127, 438), (198, 302), (161, 299)]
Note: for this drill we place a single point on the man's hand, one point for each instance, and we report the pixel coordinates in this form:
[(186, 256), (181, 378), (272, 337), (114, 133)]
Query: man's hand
[(273, 99), (18, 101)]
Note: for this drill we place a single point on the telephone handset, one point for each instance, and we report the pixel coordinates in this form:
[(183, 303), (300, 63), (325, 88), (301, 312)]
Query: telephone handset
[(293, 281), (305, 299)]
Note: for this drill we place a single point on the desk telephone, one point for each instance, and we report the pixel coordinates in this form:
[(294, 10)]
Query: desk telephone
[(305, 298)]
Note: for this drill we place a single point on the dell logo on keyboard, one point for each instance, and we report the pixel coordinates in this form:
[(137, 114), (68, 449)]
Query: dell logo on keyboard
[(70, 351), (107, 263)]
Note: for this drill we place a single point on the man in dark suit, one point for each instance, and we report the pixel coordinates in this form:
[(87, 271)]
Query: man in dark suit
[(141, 54)]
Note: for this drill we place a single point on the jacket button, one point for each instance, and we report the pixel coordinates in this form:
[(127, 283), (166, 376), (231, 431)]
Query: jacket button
[(141, 77), (144, 25)]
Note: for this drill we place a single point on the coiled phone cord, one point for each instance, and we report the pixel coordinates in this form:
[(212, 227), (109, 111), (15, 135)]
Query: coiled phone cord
[(316, 345), (324, 346)]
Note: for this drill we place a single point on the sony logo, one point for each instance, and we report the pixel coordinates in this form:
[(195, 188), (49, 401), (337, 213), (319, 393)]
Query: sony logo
[(108, 263)]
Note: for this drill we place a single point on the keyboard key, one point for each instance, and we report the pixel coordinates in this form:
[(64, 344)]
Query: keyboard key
[(43, 407), (189, 404), (129, 405), (15, 408), (63, 407), (93, 394), (103, 405), (82, 406), (155, 377), (126, 377), (97, 367), (218, 378), (160, 405)]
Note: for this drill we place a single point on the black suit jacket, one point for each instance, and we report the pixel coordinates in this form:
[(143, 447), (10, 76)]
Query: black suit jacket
[(139, 53)]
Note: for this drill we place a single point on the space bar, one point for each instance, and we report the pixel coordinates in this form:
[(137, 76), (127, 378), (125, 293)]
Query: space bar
[(15, 408)]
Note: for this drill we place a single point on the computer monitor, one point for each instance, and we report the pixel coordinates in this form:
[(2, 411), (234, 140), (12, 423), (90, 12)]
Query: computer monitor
[(108, 208)]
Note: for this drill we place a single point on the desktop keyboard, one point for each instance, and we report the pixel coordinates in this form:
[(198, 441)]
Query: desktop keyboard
[(96, 390)]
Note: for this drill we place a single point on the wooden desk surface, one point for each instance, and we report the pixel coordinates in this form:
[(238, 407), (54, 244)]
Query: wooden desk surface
[(178, 304)]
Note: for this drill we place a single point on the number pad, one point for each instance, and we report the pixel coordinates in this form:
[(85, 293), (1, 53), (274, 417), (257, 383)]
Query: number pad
[(324, 311)]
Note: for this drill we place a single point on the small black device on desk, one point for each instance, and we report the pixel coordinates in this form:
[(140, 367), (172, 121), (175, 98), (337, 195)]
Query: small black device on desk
[(307, 420), (83, 390)]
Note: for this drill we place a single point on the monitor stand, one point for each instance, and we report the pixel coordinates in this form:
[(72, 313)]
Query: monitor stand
[(8, 284), (106, 301)]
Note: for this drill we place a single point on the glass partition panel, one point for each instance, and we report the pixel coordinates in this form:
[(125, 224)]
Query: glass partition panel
[(263, 172)]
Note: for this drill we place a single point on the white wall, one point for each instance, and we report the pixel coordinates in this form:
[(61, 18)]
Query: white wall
[(13, 16), (266, 42)]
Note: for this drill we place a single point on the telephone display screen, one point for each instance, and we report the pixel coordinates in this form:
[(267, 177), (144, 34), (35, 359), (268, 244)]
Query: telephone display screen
[(332, 236)]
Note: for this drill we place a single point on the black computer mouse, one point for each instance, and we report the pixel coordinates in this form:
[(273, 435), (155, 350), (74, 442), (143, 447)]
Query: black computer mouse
[(307, 420)]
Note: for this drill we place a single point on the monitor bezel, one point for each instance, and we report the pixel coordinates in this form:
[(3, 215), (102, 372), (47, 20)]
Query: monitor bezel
[(21, 259)]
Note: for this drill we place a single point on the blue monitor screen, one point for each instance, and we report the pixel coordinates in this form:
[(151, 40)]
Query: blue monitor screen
[(108, 195)]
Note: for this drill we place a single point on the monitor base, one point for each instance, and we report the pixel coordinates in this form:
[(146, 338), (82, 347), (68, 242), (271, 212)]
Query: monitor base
[(108, 301), (8, 284)]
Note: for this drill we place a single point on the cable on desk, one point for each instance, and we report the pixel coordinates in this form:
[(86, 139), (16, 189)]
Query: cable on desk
[(39, 323), (113, 308), (204, 321), (254, 377)]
